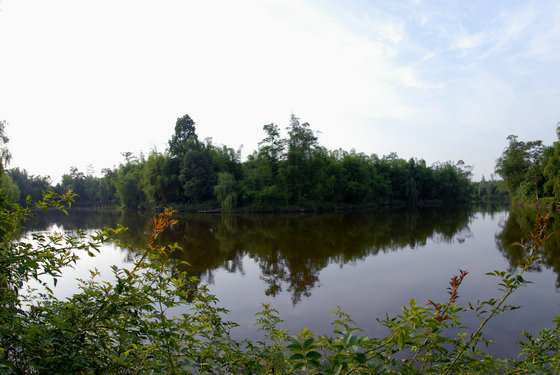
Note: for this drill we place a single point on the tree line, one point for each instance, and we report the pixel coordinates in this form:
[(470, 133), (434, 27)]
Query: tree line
[(293, 172), (531, 170)]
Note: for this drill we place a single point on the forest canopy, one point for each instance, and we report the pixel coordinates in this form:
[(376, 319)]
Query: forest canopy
[(291, 172), (531, 170)]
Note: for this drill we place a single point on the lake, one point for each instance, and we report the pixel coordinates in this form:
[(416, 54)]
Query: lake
[(368, 263)]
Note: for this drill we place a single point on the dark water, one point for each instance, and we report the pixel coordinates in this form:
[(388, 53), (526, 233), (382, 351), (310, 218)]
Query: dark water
[(369, 263)]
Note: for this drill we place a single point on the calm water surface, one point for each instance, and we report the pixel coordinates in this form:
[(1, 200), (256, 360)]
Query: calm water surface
[(369, 264)]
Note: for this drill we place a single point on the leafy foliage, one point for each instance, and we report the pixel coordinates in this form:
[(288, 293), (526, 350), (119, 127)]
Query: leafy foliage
[(286, 173), (530, 170)]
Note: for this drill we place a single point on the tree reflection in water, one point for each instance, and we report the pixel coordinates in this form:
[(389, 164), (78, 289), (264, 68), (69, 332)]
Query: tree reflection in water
[(290, 250), (517, 228)]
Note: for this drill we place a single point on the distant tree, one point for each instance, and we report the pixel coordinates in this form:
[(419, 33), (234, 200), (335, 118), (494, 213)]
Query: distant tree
[(301, 137), (452, 182), (491, 191), (5, 155), (128, 183), (199, 175), (226, 191), (535, 151), (272, 146), (397, 172), (185, 135), (296, 169), (356, 177), (160, 179), (227, 159), (107, 190), (551, 169), (513, 164), (29, 186), (9, 188), (411, 192), (522, 169)]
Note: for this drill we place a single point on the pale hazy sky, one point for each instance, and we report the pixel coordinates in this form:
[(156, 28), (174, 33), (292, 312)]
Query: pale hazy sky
[(83, 81)]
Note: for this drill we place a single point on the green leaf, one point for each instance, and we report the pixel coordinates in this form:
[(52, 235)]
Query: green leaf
[(294, 347), (313, 355), (346, 338), (296, 356), (308, 343), (360, 357), (400, 340), (336, 369), (295, 340)]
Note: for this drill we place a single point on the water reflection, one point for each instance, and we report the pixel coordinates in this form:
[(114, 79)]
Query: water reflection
[(517, 229), (290, 250), (337, 259)]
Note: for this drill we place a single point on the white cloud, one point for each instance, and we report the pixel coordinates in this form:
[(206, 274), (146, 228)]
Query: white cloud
[(118, 74), (470, 41), (544, 44)]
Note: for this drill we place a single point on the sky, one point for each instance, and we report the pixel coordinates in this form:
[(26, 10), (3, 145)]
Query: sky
[(81, 82)]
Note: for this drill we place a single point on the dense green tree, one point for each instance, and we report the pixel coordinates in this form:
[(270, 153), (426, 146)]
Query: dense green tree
[(301, 137), (9, 192), (423, 177), (9, 188), (128, 183), (160, 179), (356, 177), (84, 185), (226, 191), (5, 155), (198, 175), (272, 147), (452, 182), (527, 168), (551, 170), (29, 186), (491, 191), (107, 191), (323, 178), (514, 163), (394, 170), (293, 171), (227, 159), (184, 137), (535, 151)]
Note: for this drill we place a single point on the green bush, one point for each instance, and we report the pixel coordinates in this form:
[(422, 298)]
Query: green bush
[(142, 323)]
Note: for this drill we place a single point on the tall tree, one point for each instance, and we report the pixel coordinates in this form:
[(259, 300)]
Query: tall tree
[(272, 147), (513, 164), (535, 151), (29, 186), (225, 191), (552, 168), (128, 183), (185, 135), (160, 179), (199, 175), (5, 155), (521, 166), (302, 138)]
